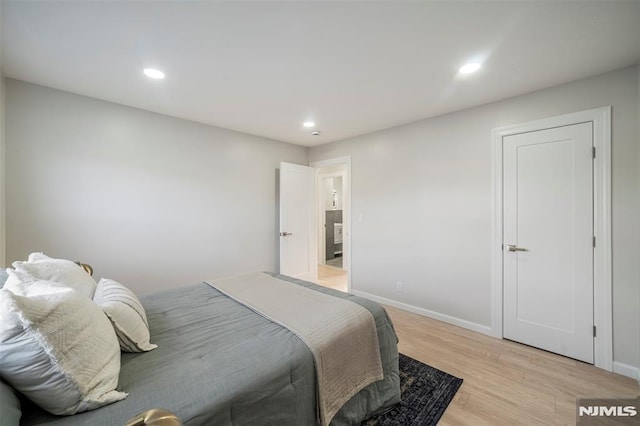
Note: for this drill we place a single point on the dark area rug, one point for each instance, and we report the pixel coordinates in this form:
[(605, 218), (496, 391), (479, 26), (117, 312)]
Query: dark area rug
[(426, 393)]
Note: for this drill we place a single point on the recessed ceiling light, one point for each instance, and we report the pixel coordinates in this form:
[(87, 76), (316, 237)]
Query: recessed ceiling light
[(469, 68), (308, 124), (153, 73), (315, 133)]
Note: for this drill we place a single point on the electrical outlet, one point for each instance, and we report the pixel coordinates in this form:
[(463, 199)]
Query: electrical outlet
[(399, 286)]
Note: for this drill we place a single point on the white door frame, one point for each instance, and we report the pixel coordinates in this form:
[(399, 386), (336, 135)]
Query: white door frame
[(346, 214), (602, 294)]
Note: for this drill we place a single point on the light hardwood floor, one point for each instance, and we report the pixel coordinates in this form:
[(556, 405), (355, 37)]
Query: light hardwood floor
[(332, 277), (505, 383)]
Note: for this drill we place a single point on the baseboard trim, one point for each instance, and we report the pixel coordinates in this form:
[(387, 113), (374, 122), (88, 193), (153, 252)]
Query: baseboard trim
[(626, 370), (618, 367), (427, 313)]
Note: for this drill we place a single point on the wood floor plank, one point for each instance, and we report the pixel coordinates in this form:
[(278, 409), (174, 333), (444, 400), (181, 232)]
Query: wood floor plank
[(505, 382), (332, 277)]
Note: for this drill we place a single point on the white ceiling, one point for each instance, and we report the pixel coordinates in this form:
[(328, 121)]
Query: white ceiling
[(352, 67)]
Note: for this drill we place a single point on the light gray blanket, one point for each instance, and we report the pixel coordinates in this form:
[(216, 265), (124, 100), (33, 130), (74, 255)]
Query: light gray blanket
[(340, 334)]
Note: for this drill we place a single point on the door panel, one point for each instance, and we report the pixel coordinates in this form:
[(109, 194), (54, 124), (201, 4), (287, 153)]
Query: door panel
[(548, 219), (297, 248)]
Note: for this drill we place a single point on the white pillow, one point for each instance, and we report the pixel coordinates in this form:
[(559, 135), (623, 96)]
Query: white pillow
[(59, 350), (42, 267), (21, 286), (37, 256), (126, 314)]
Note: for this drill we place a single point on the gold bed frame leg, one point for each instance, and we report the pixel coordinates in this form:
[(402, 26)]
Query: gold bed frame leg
[(154, 417)]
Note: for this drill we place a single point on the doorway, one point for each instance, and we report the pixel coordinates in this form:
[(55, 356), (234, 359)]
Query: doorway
[(333, 222), (331, 209), (569, 202)]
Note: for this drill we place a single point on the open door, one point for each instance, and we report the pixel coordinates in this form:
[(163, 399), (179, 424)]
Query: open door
[(297, 243)]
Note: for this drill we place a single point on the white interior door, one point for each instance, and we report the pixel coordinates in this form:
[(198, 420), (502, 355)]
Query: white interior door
[(548, 239), (297, 243)]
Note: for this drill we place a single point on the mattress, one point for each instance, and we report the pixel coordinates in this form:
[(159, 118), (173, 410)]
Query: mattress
[(220, 363)]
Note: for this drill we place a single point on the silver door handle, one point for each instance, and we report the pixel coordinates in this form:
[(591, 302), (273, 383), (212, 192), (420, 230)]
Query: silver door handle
[(514, 248), (285, 234)]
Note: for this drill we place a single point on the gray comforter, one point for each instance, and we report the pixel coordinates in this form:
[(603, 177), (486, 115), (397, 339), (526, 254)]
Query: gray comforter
[(219, 363)]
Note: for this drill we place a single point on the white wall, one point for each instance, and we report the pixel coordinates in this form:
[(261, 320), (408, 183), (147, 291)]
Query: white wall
[(2, 162), (158, 202), (150, 200), (2, 171), (421, 203), (330, 184), (638, 144)]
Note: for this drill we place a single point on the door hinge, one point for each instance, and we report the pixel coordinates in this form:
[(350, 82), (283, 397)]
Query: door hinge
[(594, 331), (594, 151), (594, 240)]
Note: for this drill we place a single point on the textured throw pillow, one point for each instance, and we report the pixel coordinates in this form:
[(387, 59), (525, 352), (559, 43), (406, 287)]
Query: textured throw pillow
[(41, 267), (126, 314), (27, 286), (37, 256), (11, 278), (59, 350)]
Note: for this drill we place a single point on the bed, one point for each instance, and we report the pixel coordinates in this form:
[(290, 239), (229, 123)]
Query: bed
[(220, 363)]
